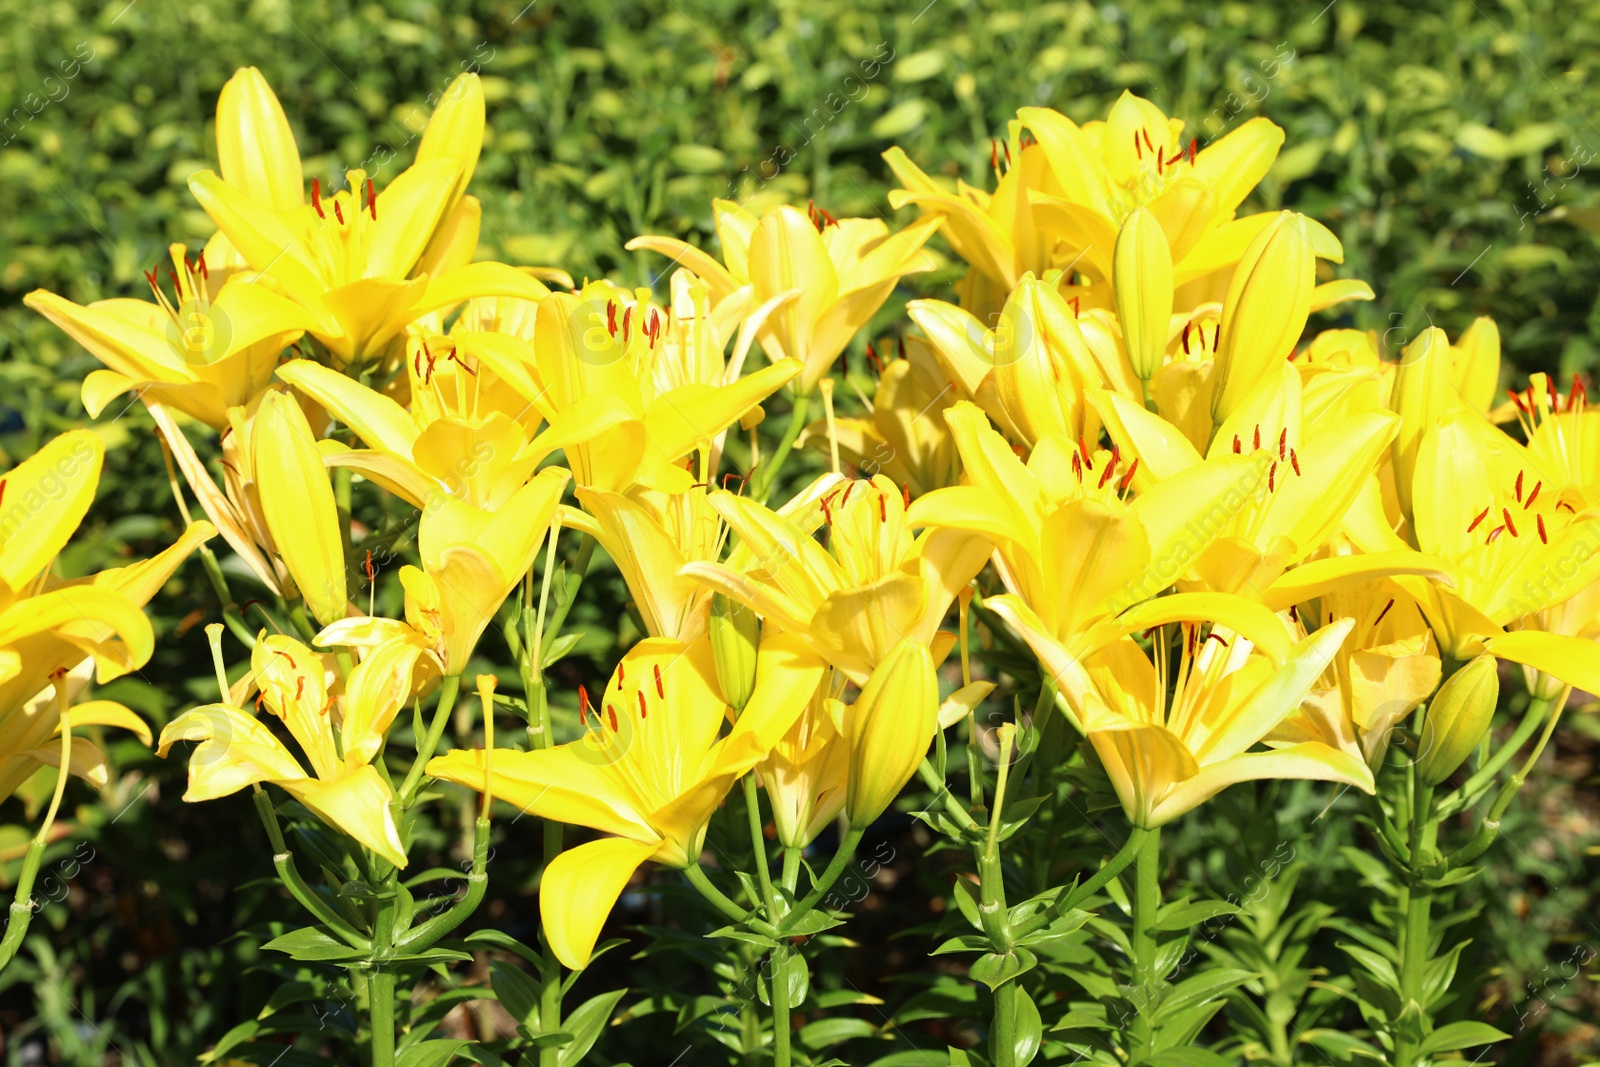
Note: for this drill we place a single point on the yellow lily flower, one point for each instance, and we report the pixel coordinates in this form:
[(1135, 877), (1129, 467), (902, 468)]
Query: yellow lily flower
[(471, 560), (903, 435), (1166, 756), (652, 771), (1031, 372), (29, 733), (210, 349), (1072, 552), (807, 773), (844, 270), (597, 353), (1386, 667), (652, 536), (363, 273), (302, 689), (54, 634), (1308, 476), (465, 436), (1517, 540), (1067, 191), (854, 601)]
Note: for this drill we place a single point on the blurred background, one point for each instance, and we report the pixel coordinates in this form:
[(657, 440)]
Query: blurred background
[(1451, 144)]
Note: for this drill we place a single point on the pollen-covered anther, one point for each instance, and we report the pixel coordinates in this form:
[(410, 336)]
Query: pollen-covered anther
[(1532, 496), (1473, 525), (611, 713), (1122, 485), (883, 508), (1283, 443), (661, 689), (1382, 613), (1294, 460), (1105, 475), (1272, 476), (372, 200), (1493, 534), (1237, 447), (1543, 537), (316, 197), (1505, 513)]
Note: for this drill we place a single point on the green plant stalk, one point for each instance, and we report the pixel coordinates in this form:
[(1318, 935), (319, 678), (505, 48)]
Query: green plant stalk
[(448, 689), (1067, 901), (1146, 902), (841, 860), (994, 914), (791, 868), (1416, 938), (718, 899), (22, 904), (289, 875), (777, 980), (381, 994), (767, 476), (427, 934), (550, 978)]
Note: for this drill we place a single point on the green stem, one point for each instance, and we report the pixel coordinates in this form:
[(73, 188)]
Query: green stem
[(930, 778), (380, 1010), (768, 475), (841, 860), (719, 900), (441, 715), (289, 875), (1416, 938), (758, 848), (426, 935), (550, 976), (1003, 1025), (22, 904), (1146, 903), (791, 868), (1068, 901), (778, 993)]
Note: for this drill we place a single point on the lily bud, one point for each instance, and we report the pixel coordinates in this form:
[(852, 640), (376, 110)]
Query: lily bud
[(1457, 719), (735, 635), (889, 729), (1268, 303), (1423, 391), (1142, 279), (255, 146), (298, 505)]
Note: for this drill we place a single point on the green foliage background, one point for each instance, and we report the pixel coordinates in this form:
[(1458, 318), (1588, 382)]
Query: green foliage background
[(1448, 143)]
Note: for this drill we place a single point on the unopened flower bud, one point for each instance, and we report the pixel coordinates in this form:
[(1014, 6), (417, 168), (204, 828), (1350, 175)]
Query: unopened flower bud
[(1457, 719), (735, 634)]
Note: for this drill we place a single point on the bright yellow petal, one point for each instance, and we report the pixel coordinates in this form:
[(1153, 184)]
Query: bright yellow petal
[(375, 418), (256, 150), (578, 890), (358, 804), (1309, 760), (1574, 660)]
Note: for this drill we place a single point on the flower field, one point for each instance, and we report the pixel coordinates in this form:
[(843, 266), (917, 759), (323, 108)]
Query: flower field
[(776, 534)]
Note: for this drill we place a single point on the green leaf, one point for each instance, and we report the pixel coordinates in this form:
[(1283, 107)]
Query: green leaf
[(1460, 1035), (1030, 1031), (312, 943), (966, 895), (1186, 916), (825, 1032), (739, 933), (585, 1025), (499, 939), (1186, 1057), (518, 992), (813, 922), (1203, 988), (435, 1053), (559, 647), (962, 943), (995, 969)]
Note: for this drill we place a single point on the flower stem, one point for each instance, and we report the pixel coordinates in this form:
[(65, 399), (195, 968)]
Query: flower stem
[(1416, 938), (766, 476), (1068, 901), (441, 715), (841, 860), (719, 900), (1146, 903)]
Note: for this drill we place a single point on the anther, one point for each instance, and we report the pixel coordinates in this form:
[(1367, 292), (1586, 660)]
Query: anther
[(1283, 443), (1382, 613), (643, 711), (1258, 436), (1532, 496), (1128, 477), (883, 509), (1272, 475), (372, 200), (1481, 516), (1519, 485), (661, 689), (1506, 514), (316, 197), (1237, 448), (338, 211), (611, 713), (1294, 459), (1543, 538)]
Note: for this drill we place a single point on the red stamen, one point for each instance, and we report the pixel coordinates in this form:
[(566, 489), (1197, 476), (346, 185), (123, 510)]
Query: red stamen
[(905, 494), (1519, 485), (339, 211), (1258, 436), (883, 508), (1533, 495), (1147, 142), (627, 320), (367, 566), (1506, 514), (583, 704), (372, 200), (1494, 533), (1517, 400), (1481, 516), (1272, 475), (1137, 147), (1283, 442), (316, 197), (1105, 475), (661, 690), (611, 713), (1237, 447), (1128, 477), (1294, 459), (1083, 451), (1539, 519), (643, 711), (1382, 613), (1194, 146)]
